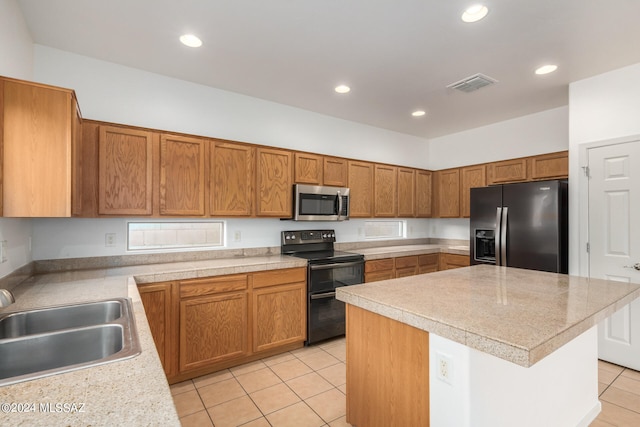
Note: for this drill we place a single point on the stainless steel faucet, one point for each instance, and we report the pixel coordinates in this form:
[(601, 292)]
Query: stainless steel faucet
[(6, 298)]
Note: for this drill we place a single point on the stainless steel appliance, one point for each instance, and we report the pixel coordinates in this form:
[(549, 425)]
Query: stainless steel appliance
[(320, 203), (522, 225), (327, 270)]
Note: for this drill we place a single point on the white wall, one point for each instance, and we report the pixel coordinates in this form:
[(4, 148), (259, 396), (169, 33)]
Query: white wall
[(603, 107), (538, 133), (16, 60)]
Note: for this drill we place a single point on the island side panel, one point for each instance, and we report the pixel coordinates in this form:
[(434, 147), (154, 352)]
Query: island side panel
[(387, 371)]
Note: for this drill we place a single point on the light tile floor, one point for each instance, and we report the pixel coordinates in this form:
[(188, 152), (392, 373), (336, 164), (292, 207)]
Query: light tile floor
[(306, 388)]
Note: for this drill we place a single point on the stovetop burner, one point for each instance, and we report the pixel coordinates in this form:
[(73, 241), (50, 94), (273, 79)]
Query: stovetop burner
[(314, 245)]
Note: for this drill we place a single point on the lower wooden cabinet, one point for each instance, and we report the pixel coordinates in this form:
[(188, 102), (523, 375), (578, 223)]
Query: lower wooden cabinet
[(391, 268), (160, 304), (449, 261), (204, 325)]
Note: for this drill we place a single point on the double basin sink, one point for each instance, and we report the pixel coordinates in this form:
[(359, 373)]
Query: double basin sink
[(48, 341)]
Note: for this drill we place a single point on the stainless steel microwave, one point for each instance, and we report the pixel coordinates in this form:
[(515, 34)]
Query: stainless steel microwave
[(320, 203)]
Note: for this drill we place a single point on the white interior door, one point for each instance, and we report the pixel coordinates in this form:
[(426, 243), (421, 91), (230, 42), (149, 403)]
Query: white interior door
[(614, 237)]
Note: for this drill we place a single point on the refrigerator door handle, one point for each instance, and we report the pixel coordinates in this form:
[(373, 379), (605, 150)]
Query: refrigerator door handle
[(497, 235), (503, 237)]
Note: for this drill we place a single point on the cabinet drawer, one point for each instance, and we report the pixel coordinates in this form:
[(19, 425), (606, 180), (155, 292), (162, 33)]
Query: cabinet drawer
[(453, 261), (379, 275), (279, 277), (408, 271), (212, 285), (428, 263), (406, 261), (378, 265)]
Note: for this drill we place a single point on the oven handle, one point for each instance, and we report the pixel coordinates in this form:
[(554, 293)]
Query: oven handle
[(334, 265), (323, 295)]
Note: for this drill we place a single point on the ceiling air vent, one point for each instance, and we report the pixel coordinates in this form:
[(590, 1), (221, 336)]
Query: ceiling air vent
[(472, 83)]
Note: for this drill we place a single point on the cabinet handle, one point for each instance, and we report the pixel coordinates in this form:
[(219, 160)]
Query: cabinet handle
[(635, 266)]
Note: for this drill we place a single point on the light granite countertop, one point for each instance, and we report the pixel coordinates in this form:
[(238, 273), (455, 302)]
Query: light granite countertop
[(127, 392), (408, 250), (515, 314)]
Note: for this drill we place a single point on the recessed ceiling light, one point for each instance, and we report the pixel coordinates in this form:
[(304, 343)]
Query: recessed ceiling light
[(190, 40), (475, 13), (342, 89), (546, 69), (418, 113)]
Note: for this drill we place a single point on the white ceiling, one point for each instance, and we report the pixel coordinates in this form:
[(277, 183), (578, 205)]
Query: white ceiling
[(397, 55)]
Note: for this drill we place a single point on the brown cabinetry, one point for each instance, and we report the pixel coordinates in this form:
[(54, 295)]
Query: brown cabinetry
[(449, 261), (386, 190), (447, 193), (214, 321), (379, 269), (335, 172), (406, 192), (125, 168), (406, 266), (160, 305), (424, 194), (549, 166), (507, 171), (39, 142), (308, 168), (279, 308), (232, 177), (361, 189), (471, 177), (182, 175), (428, 263), (274, 182)]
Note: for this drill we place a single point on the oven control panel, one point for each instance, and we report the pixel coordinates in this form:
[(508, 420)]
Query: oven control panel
[(300, 237)]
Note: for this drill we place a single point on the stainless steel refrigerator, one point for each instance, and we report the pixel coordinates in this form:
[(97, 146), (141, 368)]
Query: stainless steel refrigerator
[(522, 225)]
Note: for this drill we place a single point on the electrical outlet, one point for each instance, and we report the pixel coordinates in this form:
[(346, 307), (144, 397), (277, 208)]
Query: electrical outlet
[(110, 239), (237, 236), (444, 367)]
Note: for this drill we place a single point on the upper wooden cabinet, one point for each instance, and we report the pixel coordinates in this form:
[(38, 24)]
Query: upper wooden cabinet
[(470, 177), (335, 172), (424, 193), (548, 166), (232, 178), (361, 189), (274, 182), (182, 175), (39, 142), (406, 192), (447, 193), (386, 191), (308, 168), (507, 171), (125, 167)]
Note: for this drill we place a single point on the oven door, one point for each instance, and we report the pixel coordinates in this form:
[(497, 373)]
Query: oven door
[(325, 314)]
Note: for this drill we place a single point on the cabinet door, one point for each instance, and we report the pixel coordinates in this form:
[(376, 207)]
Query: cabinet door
[(386, 191), (308, 169), (182, 175), (379, 269), (406, 192), (279, 316), (448, 193), (124, 171), (213, 329), (424, 194), (428, 263), (335, 172), (471, 177), (36, 140), (406, 266), (361, 189), (449, 261), (274, 182), (507, 171), (547, 166), (77, 177), (232, 177), (160, 305)]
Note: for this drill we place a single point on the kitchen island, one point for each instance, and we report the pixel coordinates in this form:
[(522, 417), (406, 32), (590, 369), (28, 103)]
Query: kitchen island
[(477, 346)]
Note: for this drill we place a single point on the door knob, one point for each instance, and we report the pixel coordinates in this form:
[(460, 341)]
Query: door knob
[(636, 266)]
